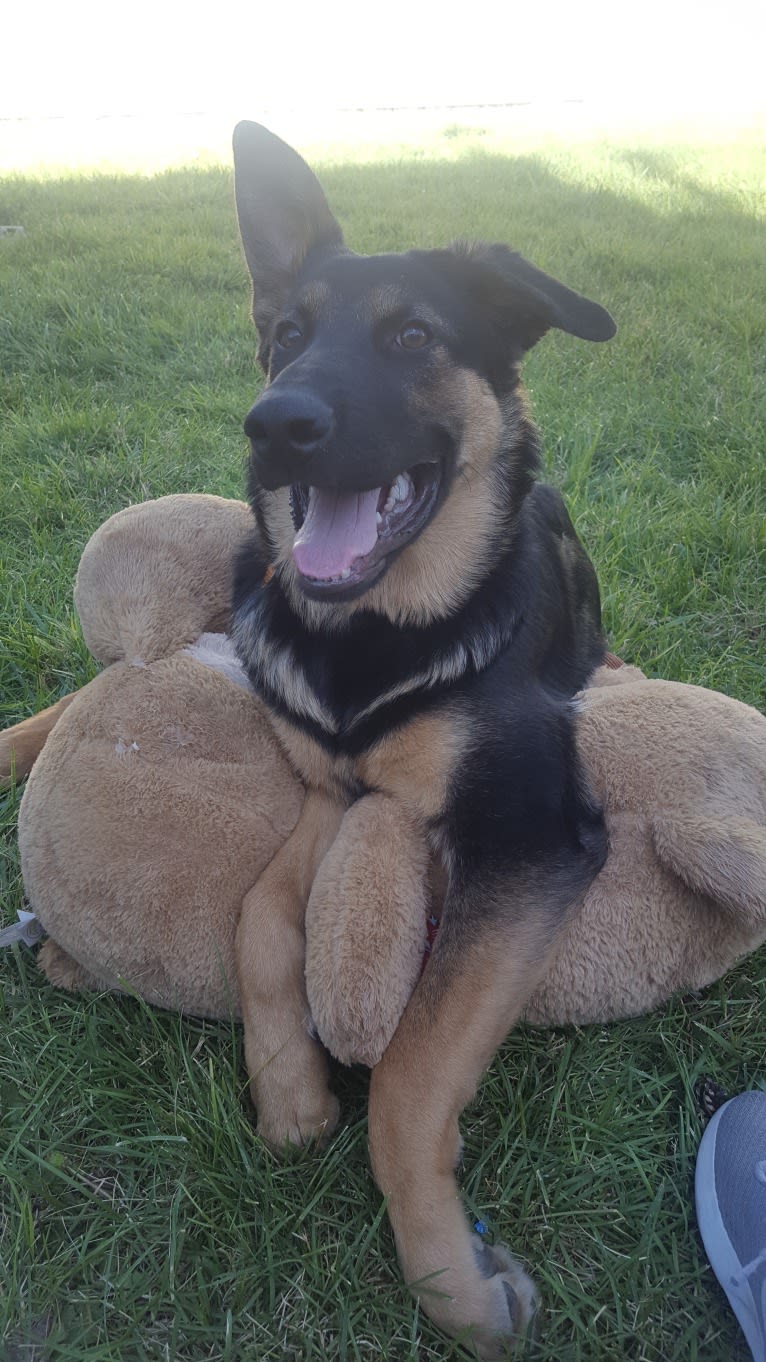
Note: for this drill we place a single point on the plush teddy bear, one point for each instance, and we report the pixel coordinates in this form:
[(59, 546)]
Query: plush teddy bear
[(162, 793)]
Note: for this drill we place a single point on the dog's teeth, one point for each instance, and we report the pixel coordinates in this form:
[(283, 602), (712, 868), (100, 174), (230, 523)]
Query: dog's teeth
[(401, 489), (378, 518), (346, 573)]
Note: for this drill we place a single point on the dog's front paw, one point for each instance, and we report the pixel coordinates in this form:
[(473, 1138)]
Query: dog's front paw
[(484, 1297), (296, 1118), (511, 1301)]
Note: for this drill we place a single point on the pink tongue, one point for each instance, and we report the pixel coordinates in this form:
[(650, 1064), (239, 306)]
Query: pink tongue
[(339, 527)]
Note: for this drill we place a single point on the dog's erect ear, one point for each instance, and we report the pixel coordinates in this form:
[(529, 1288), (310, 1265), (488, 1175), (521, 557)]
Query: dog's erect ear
[(529, 302), (282, 212)]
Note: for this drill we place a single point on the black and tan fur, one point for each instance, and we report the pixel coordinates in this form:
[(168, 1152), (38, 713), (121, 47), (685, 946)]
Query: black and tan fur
[(444, 680)]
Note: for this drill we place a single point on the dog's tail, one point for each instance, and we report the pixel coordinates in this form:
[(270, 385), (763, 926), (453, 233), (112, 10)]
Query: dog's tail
[(21, 745)]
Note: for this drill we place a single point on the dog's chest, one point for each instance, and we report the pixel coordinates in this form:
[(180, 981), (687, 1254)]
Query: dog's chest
[(414, 763), (347, 690)]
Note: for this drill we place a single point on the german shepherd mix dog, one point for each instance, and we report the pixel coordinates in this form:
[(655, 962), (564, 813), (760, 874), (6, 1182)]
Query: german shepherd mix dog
[(417, 611)]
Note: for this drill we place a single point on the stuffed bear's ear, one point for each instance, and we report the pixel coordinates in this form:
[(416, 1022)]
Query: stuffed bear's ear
[(282, 212), (529, 302)]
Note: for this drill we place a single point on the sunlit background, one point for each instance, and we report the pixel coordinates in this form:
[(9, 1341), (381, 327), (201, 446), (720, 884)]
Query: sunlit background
[(89, 83)]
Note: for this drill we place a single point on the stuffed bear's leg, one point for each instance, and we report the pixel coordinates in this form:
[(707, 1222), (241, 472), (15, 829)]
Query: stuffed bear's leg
[(723, 857), (286, 1063), (63, 971)]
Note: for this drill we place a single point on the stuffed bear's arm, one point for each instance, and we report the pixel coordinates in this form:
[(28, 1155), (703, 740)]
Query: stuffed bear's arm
[(21, 745), (366, 929)]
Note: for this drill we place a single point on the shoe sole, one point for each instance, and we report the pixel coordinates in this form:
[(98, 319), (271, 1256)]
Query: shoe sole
[(721, 1253)]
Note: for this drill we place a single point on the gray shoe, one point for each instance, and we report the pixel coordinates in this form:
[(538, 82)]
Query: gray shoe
[(730, 1187)]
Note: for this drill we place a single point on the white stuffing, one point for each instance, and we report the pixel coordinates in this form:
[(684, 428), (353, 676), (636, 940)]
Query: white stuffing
[(218, 651)]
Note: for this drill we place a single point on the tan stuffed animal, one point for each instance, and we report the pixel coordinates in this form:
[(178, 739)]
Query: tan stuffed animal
[(162, 793)]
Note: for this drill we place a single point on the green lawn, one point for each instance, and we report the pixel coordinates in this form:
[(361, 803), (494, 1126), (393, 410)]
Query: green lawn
[(140, 1218)]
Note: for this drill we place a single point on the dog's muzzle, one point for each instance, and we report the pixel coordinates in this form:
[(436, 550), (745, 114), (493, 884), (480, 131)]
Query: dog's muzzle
[(287, 430)]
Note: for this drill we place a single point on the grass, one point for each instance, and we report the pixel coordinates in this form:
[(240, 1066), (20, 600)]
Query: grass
[(140, 1218)]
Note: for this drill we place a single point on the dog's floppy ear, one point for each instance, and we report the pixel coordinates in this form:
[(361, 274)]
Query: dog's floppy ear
[(282, 212), (529, 302)]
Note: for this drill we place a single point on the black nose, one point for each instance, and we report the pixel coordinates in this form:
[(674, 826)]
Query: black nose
[(288, 423)]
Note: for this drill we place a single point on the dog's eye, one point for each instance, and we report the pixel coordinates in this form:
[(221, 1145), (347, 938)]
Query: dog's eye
[(413, 336), (287, 335)]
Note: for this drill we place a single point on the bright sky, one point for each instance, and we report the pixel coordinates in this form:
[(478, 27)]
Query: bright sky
[(96, 57)]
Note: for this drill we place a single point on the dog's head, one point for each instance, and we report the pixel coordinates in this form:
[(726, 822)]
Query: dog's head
[(392, 411)]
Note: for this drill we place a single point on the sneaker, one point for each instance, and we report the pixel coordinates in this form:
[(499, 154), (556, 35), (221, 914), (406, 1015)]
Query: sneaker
[(730, 1188)]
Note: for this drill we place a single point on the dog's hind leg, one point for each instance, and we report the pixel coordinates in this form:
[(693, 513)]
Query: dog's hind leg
[(286, 1063), (21, 745)]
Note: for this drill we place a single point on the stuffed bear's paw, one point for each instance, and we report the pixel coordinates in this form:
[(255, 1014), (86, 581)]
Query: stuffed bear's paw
[(296, 1118), (63, 971)]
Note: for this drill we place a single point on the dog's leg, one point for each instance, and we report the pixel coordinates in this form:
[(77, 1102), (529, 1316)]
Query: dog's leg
[(21, 745), (494, 944), (286, 1063)]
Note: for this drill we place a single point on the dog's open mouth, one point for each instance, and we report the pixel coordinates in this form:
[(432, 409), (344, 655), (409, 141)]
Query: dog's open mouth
[(345, 540)]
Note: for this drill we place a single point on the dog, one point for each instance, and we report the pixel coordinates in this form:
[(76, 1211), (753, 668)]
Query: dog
[(416, 610)]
